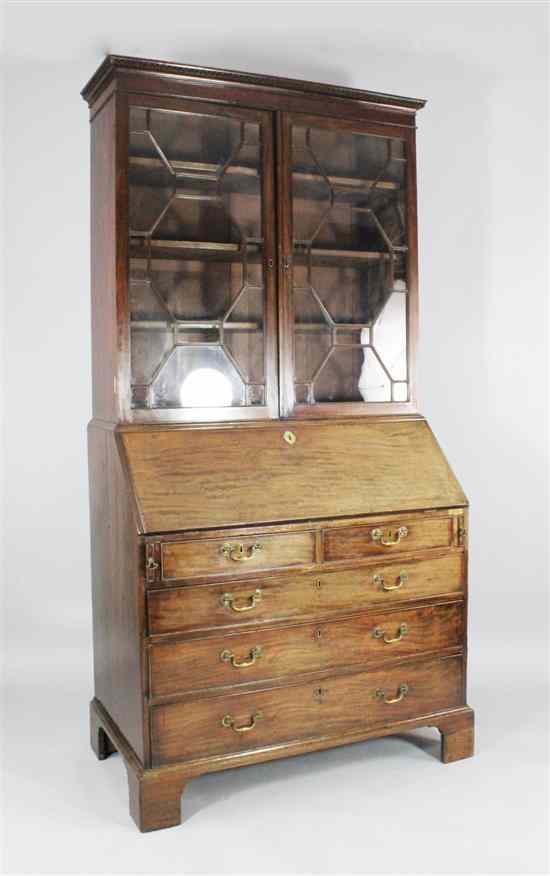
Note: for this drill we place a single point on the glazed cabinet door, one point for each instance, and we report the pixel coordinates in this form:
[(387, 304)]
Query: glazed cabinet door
[(348, 267), (201, 298)]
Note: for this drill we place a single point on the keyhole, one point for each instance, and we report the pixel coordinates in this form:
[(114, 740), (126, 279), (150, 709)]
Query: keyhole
[(317, 633)]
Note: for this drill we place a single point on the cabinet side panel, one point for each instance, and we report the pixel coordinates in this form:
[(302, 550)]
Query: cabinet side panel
[(103, 264), (117, 591)]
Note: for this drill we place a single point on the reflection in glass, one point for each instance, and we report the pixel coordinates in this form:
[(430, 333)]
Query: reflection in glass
[(206, 386)]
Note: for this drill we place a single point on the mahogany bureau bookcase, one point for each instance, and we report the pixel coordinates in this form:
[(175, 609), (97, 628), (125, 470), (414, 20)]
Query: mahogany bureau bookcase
[(279, 546)]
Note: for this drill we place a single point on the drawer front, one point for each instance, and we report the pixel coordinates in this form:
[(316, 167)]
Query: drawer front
[(233, 556), (408, 534), (303, 596), (243, 722), (274, 653)]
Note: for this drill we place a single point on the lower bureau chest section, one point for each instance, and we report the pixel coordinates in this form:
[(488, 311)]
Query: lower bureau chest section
[(246, 721), (256, 640)]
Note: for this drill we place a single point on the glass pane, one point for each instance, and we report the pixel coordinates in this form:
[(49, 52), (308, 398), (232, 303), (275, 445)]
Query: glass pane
[(349, 266), (196, 256)]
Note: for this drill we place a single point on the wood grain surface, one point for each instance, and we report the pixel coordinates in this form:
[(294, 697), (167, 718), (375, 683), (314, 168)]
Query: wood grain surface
[(272, 599), (181, 731)]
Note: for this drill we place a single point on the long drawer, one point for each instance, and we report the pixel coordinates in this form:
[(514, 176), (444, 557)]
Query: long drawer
[(302, 596), (246, 721), (179, 667)]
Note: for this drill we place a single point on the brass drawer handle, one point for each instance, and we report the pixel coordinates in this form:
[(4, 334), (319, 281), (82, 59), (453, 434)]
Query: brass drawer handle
[(402, 579), (229, 601), (378, 535), (380, 633), (229, 657), (239, 553), (229, 721), (380, 694)]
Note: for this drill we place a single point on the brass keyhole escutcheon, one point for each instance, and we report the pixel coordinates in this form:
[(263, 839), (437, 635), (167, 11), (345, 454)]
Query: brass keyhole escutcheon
[(290, 438)]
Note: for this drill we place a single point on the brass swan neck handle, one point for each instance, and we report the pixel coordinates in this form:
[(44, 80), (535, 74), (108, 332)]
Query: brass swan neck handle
[(400, 533), (230, 601), (380, 694), (380, 633), (239, 553), (229, 721)]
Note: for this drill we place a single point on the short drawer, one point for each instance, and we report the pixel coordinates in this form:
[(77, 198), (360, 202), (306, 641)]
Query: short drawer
[(408, 534), (260, 655), (233, 556), (332, 706), (320, 595)]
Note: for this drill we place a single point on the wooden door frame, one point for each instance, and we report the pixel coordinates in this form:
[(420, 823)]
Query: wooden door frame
[(264, 118)]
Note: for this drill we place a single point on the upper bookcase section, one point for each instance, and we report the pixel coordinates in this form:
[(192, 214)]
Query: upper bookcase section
[(253, 246)]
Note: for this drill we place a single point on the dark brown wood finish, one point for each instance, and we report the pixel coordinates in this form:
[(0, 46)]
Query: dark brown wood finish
[(248, 475), (304, 710), (244, 657), (148, 69), (403, 534), (170, 780), (105, 321), (299, 597), (255, 593), (118, 591)]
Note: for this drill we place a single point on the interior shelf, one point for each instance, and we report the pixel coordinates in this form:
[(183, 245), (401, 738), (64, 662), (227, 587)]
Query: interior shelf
[(177, 250), (194, 169), (336, 256), (189, 249), (162, 325)]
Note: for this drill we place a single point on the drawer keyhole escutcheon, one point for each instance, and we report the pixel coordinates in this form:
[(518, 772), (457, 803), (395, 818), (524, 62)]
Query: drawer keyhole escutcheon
[(289, 437), (229, 721), (389, 539), (380, 633), (229, 657), (403, 577), (319, 694), (230, 601), (403, 690), (239, 553)]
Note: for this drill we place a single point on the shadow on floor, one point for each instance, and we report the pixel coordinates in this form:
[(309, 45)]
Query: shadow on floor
[(205, 790)]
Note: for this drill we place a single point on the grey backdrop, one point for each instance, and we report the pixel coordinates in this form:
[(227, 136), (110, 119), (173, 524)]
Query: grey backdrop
[(386, 806)]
